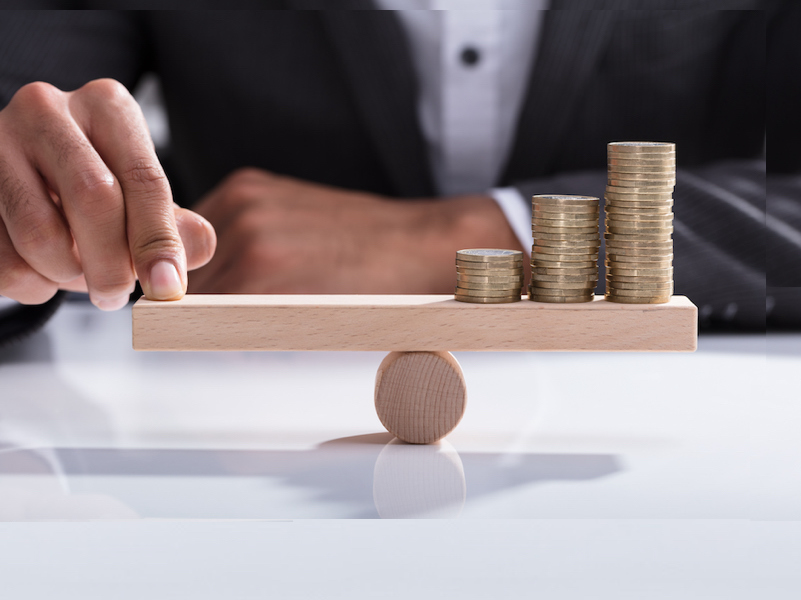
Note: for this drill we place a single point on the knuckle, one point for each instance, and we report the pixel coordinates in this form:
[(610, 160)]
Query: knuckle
[(146, 175), (157, 242), (36, 231), (38, 97), (20, 282), (94, 192), (108, 90)]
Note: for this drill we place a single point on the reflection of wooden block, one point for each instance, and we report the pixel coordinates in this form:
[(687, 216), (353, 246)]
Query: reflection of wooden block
[(409, 323), (420, 396)]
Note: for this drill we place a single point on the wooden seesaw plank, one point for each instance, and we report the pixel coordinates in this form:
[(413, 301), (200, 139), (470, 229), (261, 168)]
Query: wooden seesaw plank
[(409, 323)]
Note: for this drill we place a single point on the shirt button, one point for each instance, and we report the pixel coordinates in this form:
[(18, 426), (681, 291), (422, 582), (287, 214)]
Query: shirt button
[(470, 56)]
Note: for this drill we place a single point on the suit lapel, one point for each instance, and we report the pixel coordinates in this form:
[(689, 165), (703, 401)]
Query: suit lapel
[(571, 44), (375, 60)]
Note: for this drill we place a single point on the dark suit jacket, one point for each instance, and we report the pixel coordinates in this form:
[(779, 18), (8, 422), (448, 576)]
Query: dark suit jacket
[(330, 96)]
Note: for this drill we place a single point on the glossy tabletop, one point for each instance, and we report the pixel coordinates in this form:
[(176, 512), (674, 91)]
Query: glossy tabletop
[(239, 475)]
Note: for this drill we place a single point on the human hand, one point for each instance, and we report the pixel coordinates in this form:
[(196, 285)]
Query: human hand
[(282, 235), (84, 202)]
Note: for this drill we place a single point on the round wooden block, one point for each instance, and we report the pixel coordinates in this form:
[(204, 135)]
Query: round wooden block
[(420, 397)]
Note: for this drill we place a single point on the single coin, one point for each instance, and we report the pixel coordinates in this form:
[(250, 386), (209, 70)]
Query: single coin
[(593, 222), (486, 293), (553, 264), (651, 211), (508, 273), (636, 147), (645, 177), (560, 199), (625, 272), (614, 229), (564, 232), (658, 169), (638, 279), (591, 215), (563, 285), (641, 300), (649, 287), (480, 266), (560, 293), (565, 209), (616, 291), (560, 300), (488, 278), (655, 185), (565, 271), (638, 237), (654, 201), (637, 262), (624, 192), (565, 278), (638, 218), (475, 300), (482, 254), (622, 163), (474, 285), (556, 237), (565, 256)]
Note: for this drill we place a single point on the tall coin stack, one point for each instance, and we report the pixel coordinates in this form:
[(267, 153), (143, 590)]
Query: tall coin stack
[(639, 222), (489, 276), (564, 257)]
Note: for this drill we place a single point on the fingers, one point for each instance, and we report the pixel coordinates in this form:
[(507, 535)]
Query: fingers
[(198, 236), (18, 280), (119, 133), (35, 225)]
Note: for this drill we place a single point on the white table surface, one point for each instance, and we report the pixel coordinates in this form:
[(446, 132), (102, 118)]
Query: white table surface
[(266, 475)]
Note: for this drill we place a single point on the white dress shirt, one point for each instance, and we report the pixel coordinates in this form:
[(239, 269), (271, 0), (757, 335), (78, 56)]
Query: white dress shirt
[(472, 59)]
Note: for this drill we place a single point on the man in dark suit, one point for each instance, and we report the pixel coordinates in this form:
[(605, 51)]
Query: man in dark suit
[(322, 105)]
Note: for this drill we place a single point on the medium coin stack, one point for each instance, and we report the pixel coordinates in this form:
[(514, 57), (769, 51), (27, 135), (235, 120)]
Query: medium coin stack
[(489, 276), (564, 257), (639, 222)]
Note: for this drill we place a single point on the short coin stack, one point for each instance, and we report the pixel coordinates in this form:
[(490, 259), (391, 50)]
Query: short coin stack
[(564, 257), (639, 222), (489, 276)]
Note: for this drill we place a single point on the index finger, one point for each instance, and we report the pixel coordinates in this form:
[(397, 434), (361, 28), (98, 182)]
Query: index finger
[(114, 123)]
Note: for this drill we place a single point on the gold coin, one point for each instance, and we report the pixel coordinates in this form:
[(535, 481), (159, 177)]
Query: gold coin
[(622, 260), (558, 296), (553, 264), (616, 291), (562, 285), (564, 232), (573, 236), (658, 169), (623, 218), (640, 147), (488, 278), (616, 210), (491, 268), (639, 279), (475, 300), (490, 273), (641, 300), (566, 256), (647, 178), (564, 271), (652, 186), (589, 215), (615, 285), (556, 300), (565, 210), (638, 237), (486, 292), (593, 222), (639, 230), (488, 254), (561, 199), (565, 278), (632, 272), (629, 201)]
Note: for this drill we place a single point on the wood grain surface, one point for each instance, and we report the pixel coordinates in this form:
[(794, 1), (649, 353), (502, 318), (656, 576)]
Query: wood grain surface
[(409, 323), (420, 397)]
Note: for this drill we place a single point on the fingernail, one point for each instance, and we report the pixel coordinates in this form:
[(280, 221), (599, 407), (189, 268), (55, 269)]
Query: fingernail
[(164, 282), (112, 303)]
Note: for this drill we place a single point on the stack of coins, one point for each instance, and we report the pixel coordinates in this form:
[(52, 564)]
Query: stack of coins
[(639, 222), (489, 276), (564, 257)]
